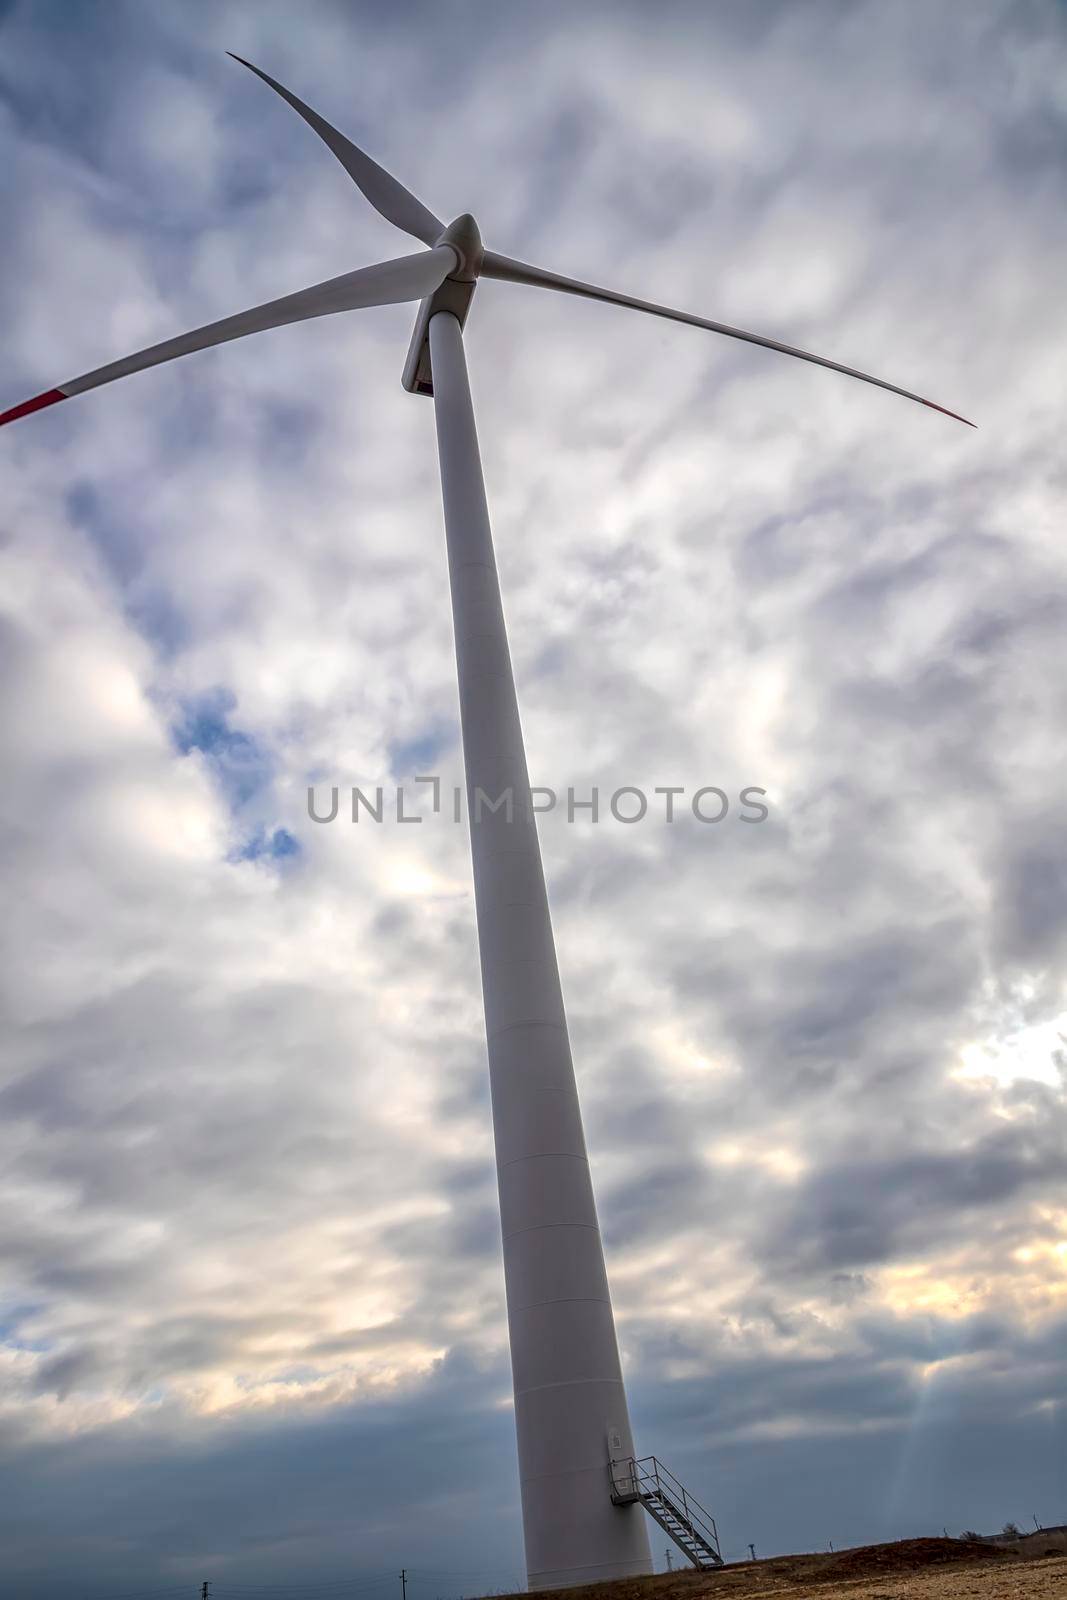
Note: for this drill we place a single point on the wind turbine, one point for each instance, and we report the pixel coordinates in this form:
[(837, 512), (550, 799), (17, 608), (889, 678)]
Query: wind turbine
[(571, 1415)]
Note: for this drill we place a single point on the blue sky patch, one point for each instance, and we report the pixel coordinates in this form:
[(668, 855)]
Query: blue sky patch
[(421, 753), (280, 845), (241, 766)]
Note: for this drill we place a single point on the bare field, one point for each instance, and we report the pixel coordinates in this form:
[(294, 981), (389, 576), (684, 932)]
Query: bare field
[(1002, 1580), (912, 1569)]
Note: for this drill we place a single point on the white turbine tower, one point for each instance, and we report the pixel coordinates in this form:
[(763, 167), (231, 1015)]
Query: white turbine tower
[(570, 1405)]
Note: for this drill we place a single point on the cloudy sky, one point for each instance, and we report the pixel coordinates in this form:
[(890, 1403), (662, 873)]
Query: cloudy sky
[(251, 1298)]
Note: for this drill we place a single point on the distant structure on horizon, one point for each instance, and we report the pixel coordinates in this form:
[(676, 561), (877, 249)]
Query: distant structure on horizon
[(582, 1484)]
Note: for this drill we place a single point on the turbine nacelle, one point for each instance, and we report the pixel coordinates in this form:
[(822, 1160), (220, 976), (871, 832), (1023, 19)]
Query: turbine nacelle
[(463, 238)]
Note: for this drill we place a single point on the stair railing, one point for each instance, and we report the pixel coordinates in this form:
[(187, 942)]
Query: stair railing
[(641, 1480)]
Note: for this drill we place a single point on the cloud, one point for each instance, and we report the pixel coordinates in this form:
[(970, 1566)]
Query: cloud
[(251, 1300)]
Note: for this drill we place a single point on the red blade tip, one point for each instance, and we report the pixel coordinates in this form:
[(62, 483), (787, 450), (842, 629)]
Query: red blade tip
[(946, 413), (38, 403)]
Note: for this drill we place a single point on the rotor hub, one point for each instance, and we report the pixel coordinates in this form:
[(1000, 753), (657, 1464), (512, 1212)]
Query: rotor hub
[(463, 236)]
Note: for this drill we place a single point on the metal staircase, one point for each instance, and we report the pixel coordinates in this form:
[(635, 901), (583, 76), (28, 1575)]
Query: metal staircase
[(678, 1514)]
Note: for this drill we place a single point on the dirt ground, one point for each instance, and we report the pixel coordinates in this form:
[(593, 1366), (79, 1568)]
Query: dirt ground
[(912, 1569), (1006, 1580)]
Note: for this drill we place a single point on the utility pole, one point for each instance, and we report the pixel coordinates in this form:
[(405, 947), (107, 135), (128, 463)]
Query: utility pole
[(752, 1551), (670, 1563), (204, 1587), (403, 1583), (1037, 1524)]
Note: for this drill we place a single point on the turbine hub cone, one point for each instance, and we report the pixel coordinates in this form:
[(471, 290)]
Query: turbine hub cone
[(464, 237)]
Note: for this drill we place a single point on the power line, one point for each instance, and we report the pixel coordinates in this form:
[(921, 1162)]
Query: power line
[(354, 1585), (457, 1572), (325, 1591), (368, 1579), (337, 1588), (144, 1594), (312, 1591)]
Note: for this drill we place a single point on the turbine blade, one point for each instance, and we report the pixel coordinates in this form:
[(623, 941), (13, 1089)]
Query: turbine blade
[(494, 266), (385, 193), (386, 283)]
